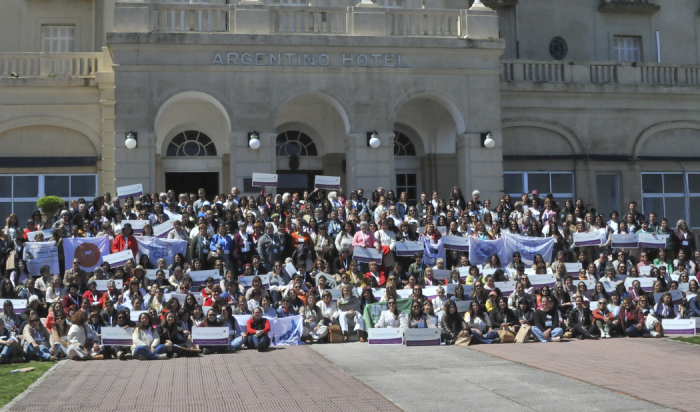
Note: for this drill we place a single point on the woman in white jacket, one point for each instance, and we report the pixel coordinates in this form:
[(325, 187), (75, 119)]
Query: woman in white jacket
[(78, 335), (387, 238), (146, 340), (392, 317)]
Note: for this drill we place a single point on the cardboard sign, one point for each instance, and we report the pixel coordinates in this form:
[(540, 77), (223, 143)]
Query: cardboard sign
[(132, 190), (385, 336), (679, 326), (652, 240), (119, 258), (408, 248), (587, 239), (422, 337), (327, 182), (624, 241), (214, 336), (102, 284), (367, 255), (459, 243), (264, 180), (117, 336)]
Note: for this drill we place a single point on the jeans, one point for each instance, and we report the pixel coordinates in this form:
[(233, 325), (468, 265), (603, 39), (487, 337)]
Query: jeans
[(633, 332), (260, 343), (556, 332), (236, 343), (8, 352), (42, 352), (579, 329), (478, 337), (144, 351)]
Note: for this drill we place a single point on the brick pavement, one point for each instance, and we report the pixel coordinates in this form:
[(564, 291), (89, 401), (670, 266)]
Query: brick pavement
[(656, 370), (288, 378)]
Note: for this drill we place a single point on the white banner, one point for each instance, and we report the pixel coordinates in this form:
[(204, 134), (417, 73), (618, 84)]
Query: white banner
[(422, 337), (646, 283), (676, 296), (537, 281), (679, 326), (88, 250), (247, 281), (38, 254), (199, 277), (156, 248), (116, 336), (366, 255), (327, 182), (132, 190), (119, 258), (287, 331), (506, 288), (210, 336), (528, 248), (134, 315), (588, 239), (573, 268), (481, 250), (136, 225), (442, 274), (18, 305), (162, 230), (404, 293), (408, 248), (652, 240), (264, 180), (624, 241), (102, 284), (385, 336), (47, 234), (459, 243)]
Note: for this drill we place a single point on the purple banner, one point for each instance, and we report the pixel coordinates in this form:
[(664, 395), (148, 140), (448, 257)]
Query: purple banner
[(322, 186), (690, 331), (117, 342), (395, 341), (432, 342), (210, 341)]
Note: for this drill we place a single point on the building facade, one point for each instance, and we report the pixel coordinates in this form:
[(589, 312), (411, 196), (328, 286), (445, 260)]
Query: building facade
[(591, 99)]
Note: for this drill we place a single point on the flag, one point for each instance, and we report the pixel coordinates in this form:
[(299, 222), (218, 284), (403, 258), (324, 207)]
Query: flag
[(287, 331), (88, 250), (528, 247), (38, 254), (156, 248), (374, 310), (480, 250)]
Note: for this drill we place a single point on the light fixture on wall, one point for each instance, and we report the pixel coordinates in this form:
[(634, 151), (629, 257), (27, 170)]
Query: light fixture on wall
[(130, 140), (373, 140), (487, 140), (253, 141)]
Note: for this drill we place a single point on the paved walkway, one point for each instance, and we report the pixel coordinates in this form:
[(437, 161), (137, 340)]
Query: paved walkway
[(657, 370), (450, 378), (289, 379)]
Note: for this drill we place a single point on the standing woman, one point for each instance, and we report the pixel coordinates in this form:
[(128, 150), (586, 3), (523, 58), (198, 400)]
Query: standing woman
[(257, 330), (126, 240), (146, 341)]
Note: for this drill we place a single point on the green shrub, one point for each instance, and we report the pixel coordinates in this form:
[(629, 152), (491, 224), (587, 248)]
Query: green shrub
[(49, 204)]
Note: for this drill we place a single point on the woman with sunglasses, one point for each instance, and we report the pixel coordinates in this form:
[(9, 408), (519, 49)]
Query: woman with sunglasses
[(146, 341), (59, 335), (36, 340), (418, 319), (392, 317)]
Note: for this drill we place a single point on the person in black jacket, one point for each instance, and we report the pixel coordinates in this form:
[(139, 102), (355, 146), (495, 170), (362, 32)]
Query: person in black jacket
[(173, 336), (563, 299), (548, 327), (502, 316), (524, 313), (581, 321)]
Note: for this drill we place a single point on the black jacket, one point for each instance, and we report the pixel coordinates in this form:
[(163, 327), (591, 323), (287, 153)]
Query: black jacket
[(587, 320), (497, 318), (542, 317), (528, 315)]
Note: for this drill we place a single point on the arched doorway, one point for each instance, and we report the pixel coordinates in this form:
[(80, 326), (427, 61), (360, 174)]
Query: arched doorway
[(298, 162), (407, 167), (195, 152)]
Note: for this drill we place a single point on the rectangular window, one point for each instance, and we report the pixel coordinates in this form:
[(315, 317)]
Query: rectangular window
[(628, 48), (19, 193), (407, 182), (58, 39), (559, 184), (674, 196)]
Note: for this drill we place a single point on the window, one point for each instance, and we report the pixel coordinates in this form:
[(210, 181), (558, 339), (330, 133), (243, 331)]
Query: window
[(19, 193), (627, 49), (674, 196), (407, 182), (295, 143), (559, 184), (608, 194), (558, 48), (403, 146), (58, 39), (191, 144), (390, 3)]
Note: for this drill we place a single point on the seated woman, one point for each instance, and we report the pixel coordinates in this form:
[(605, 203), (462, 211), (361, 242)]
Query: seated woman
[(632, 319), (349, 314), (266, 305), (581, 321), (502, 316), (665, 309), (242, 307), (389, 292), (392, 317), (257, 329), (120, 352), (417, 319), (605, 320), (59, 335), (36, 340), (227, 319), (547, 327), (524, 313), (479, 324), (81, 338), (418, 294), (430, 311), (454, 278), (314, 327), (9, 346), (146, 341), (328, 307), (473, 275), (451, 324)]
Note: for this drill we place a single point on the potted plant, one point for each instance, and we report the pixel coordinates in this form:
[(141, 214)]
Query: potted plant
[(49, 205)]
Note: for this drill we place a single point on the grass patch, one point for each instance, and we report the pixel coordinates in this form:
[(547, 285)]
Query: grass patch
[(694, 340), (13, 384)]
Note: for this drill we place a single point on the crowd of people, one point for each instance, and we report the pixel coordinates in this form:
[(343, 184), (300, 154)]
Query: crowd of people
[(317, 233)]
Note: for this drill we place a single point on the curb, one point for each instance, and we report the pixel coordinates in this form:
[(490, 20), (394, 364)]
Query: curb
[(31, 387)]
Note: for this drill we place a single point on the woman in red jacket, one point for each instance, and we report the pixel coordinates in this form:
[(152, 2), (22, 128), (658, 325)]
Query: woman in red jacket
[(258, 328), (126, 240)]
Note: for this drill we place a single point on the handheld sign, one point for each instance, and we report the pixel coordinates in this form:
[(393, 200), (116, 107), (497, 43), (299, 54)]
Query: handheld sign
[(676, 296), (652, 240), (367, 255), (327, 182), (335, 293), (214, 336), (422, 337), (102, 284), (18, 305), (430, 292), (117, 336), (441, 274), (458, 243), (199, 277), (264, 180), (624, 241), (179, 296), (404, 293), (247, 281), (537, 281), (289, 269), (587, 239), (136, 225), (134, 316), (590, 285), (151, 274), (644, 271), (47, 234), (645, 283), (408, 248), (119, 258), (573, 268), (163, 229), (506, 288), (385, 336), (463, 305), (132, 190), (442, 229), (679, 326)]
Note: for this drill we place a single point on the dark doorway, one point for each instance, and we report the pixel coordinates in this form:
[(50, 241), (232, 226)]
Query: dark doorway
[(186, 182), (296, 181)]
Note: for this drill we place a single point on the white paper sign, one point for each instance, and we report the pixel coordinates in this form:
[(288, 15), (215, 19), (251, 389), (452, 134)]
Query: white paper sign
[(459, 243), (163, 229), (422, 337), (590, 285), (214, 336), (151, 274), (408, 248), (644, 271), (136, 225), (289, 269), (102, 284), (264, 180), (199, 277), (335, 293), (327, 182), (119, 258), (676, 296), (679, 326), (116, 336), (385, 336), (134, 316), (132, 190), (441, 274), (404, 293), (624, 241), (366, 255), (180, 297), (573, 268), (587, 239), (47, 234), (646, 283), (247, 281), (463, 305), (506, 288), (652, 240), (17, 304), (538, 281)]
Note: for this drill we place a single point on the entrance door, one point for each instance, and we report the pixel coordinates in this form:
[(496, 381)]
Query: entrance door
[(190, 182), (296, 181)]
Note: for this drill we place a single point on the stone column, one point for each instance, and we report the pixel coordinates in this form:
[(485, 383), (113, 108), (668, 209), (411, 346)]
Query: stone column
[(479, 167), (369, 168)]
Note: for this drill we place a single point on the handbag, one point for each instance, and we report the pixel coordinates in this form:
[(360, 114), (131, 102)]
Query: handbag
[(523, 334), (463, 339), (506, 335), (335, 334)]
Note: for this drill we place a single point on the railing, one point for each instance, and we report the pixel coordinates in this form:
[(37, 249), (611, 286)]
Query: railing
[(190, 17), (421, 22), (630, 1), (49, 64), (659, 74), (692, 75), (603, 73), (310, 20)]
